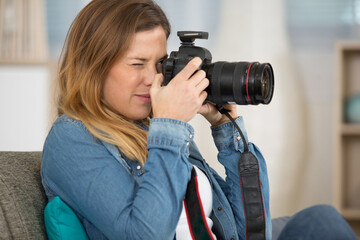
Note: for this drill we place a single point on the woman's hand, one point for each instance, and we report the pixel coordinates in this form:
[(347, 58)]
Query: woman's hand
[(183, 97), (215, 118)]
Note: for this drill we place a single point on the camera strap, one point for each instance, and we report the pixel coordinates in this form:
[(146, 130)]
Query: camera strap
[(198, 226), (250, 183)]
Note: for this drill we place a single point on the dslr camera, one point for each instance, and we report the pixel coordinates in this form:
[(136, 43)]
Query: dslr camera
[(241, 83)]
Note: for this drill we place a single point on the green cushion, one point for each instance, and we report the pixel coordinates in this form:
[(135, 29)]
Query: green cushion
[(61, 222)]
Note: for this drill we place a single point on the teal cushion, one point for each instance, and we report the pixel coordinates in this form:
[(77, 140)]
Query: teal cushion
[(61, 222)]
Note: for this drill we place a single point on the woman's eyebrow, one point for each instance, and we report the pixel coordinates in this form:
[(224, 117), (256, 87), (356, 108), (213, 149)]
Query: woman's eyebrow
[(140, 59), (164, 57), (146, 60)]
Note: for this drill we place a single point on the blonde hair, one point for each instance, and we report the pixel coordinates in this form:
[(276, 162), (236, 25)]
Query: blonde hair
[(99, 35)]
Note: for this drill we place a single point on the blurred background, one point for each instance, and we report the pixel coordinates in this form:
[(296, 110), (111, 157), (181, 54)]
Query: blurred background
[(297, 131)]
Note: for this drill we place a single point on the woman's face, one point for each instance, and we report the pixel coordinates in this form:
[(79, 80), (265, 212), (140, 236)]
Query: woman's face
[(127, 85)]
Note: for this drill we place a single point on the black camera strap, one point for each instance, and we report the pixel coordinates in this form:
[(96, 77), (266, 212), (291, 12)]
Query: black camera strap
[(249, 177), (198, 225)]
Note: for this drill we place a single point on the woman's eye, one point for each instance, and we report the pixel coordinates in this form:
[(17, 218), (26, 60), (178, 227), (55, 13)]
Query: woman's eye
[(159, 66), (137, 64)]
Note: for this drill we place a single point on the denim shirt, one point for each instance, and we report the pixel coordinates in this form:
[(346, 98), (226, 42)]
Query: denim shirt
[(116, 198)]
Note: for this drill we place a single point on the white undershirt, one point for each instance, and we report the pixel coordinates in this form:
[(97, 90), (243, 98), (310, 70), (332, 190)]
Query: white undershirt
[(182, 229)]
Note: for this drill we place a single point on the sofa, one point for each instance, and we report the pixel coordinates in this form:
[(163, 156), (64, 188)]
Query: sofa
[(22, 198)]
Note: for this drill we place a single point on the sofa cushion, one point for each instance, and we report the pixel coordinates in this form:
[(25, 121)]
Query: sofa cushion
[(62, 223), (22, 198)]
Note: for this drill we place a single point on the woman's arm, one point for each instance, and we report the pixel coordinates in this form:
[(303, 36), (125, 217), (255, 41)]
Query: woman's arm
[(230, 146), (78, 168)]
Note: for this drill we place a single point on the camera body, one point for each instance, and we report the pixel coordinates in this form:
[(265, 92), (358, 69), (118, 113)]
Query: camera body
[(230, 83), (187, 51)]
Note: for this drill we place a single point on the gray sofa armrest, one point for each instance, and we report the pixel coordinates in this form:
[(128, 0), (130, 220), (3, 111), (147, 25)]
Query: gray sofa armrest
[(22, 198)]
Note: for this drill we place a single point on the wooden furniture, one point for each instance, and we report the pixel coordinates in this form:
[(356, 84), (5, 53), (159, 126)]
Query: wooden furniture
[(347, 135), (23, 32)]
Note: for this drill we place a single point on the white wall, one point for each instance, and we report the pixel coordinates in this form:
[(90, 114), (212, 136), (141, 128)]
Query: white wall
[(24, 107)]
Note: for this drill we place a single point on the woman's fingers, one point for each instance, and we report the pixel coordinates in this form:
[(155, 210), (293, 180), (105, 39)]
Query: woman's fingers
[(184, 95), (198, 77), (203, 96), (158, 80), (203, 84), (188, 70)]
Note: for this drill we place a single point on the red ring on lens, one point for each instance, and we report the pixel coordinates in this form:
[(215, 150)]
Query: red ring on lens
[(247, 83)]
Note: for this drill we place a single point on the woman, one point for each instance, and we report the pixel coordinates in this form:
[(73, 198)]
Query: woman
[(121, 152)]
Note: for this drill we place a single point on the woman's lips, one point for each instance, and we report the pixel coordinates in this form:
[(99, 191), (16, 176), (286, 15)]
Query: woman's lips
[(144, 97)]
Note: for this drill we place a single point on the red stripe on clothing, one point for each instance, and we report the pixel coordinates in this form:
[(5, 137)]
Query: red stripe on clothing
[(188, 221), (202, 210)]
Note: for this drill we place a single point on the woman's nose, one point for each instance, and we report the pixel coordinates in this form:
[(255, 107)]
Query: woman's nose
[(150, 75)]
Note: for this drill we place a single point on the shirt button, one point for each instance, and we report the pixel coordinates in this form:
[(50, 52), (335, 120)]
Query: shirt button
[(219, 208), (190, 136), (238, 138), (138, 167), (187, 144)]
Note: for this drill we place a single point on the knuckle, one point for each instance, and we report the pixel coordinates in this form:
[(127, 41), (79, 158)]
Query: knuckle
[(207, 82), (204, 96), (202, 73), (192, 66)]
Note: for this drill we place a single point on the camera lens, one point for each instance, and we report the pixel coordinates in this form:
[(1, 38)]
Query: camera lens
[(240, 83)]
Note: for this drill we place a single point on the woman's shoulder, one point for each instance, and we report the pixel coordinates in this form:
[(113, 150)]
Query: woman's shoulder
[(64, 121), (68, 129)]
